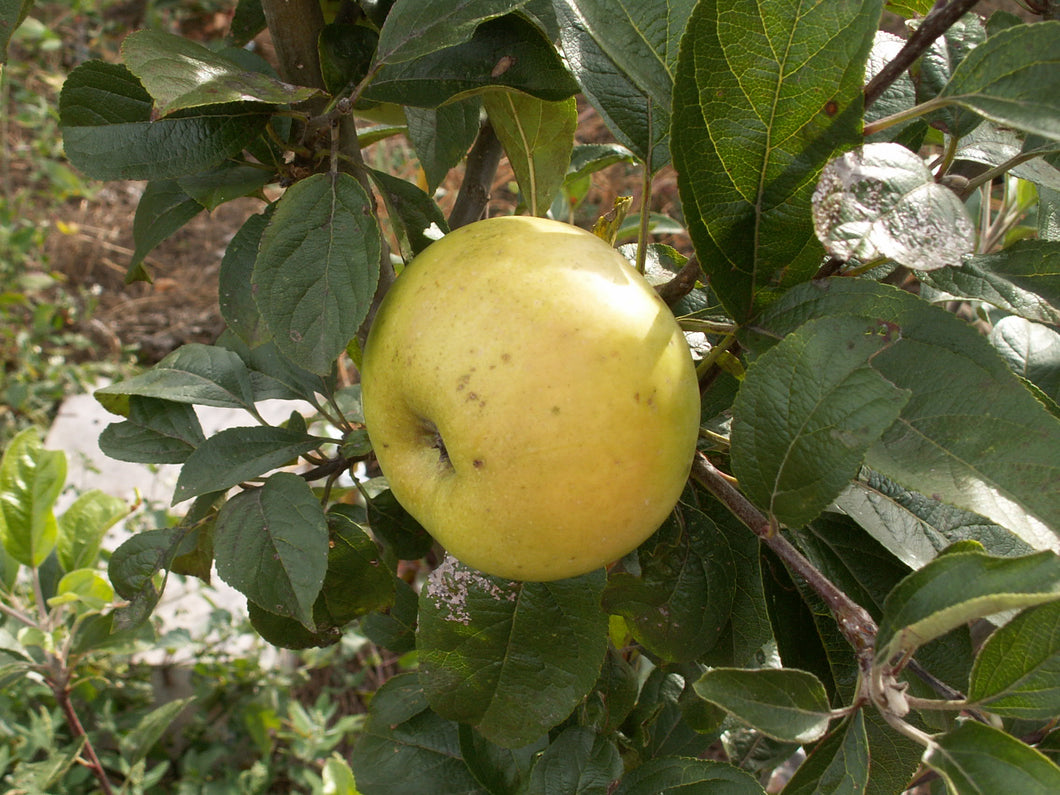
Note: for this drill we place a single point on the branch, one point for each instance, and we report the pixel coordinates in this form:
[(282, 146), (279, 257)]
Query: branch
[(941, 18), (295, 26), (482, 162), (854, 622), (681, 284), (62, 696)]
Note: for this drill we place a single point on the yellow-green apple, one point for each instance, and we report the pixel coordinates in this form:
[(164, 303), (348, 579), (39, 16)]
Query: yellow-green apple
[(531, 400)]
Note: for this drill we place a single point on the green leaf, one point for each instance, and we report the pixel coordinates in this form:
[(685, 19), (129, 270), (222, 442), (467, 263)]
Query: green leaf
[(485, 643), (234, 455), (287, 633), (1023, 279), (683, 776), (346, 53), (1031, 350), (12, 12), (157, 432), (441, 136), (85, 586), (163, 209), (954, 438), (235, 291), (271, 544), (201, 374), (499, 770), (893, 757), (936, 68), (137, 743), (659, 724), (976, 758), (509, 52), (578, 762), (679, 604), (357, 580), (640, 38), (413, 30), (538, 138), (180, 73), (807, 412), (1017, 671), (753, 125), (132, 568), (838, 765), (228, 181), (897, 97), (993, 145), (317, 268), (914, 527), (105, 115), (871, 204), (406, 749), (30, 481), (958, 587), (785, 704), (1013, 78), (395, 628), (641, 124), (83, 525), (414, 214)]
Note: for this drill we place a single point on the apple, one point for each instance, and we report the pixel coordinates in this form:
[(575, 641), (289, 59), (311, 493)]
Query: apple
[(530, 399)]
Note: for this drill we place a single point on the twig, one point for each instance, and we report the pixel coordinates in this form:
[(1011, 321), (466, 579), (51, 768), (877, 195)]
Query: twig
[(62, 695), (941, 18), (481, 166), (854, 621), (682, 282)]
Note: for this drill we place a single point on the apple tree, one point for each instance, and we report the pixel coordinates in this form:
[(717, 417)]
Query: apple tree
[(862, 570)]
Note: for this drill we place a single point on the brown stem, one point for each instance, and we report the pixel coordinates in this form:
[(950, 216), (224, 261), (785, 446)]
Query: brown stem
[(682, 282), (481, 167), (854, 621), (61, 689), (295, 26), (941, 18)]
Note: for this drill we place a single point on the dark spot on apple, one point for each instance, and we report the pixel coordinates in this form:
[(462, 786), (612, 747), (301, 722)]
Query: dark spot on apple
[(636, 397), (555, 410), (462, 382), (506, 357), (478, 463)]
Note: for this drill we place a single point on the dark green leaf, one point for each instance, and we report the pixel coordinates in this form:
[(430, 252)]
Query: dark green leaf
[(413, 30), (659, 725), (976, 758), (180, 73), (807, 412), (248, 20), (441, 136), (786, 704), (872, 203), (1023, 279), (396, 529), (959, 587), (317, 268), (157, 432), (132, 569), (235, 291), (538, 137), (271, 544), (682, 776), (287, 633), (1013, 78), (914, 527), (357, 580), (395, 628), (504, 53), (502, 771), (578, 762), (838, 765), (234, 455), (971, 434), (202, 374), (1032, 350), (485, 644), (141, 738), (893, 757), (414, 214), (105, 115), (30, 481), (641, 124), (936, 68), (752, 127), (228, 181), (163, 209), (346, 53), (12, 12), (406, 749), (1017, 671), (679, 604)]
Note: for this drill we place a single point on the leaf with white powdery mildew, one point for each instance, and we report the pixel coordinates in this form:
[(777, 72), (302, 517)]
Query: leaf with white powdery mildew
[(511, 658), (881, 201), (808, 411), (317, 268)]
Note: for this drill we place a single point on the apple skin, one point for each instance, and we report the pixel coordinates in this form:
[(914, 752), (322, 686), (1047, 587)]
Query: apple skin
[(530, 399)]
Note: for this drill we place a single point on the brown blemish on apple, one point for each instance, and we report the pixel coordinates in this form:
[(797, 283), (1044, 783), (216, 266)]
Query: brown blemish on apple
[(478, 463), (462, 382)]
